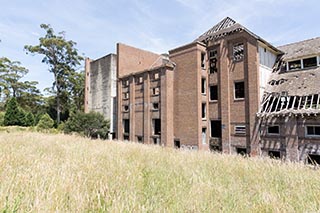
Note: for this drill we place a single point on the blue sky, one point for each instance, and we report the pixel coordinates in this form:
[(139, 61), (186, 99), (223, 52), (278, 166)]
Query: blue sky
[(157, 26)]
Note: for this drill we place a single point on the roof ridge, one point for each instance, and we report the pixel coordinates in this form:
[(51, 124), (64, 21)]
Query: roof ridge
[(296, 42), (223, 24)]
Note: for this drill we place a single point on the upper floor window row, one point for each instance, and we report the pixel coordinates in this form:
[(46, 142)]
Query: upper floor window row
[(303, 63)]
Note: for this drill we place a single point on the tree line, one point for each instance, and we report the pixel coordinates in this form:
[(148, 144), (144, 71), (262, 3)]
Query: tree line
[(22, 103)]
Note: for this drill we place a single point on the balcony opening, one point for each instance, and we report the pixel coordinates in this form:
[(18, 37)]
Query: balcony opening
[(203, 86), (215, 128), (204, 111), (214, 93)]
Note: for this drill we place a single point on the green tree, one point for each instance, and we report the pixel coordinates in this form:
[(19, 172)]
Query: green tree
[(62, 58), (14, 115), (45, 122), (90, 124), (29, 119)]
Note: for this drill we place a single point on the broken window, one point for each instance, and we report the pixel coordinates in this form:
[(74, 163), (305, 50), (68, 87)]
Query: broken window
[(213, 59), (155, 106), (274, 154), (139, 138), (126, 95), (203, 60), (156, 124), (313, 131), (156, 91), (239, 90), (309, 62), (240, 130), (126, 126), (156, 76), (125, 83), (215, 128), (313, 159), (214, 93), (203, 85), (241, 151), (238, 52), (126, 108), (294, 65), (273, 130), (204, 113), (204, 135), (177, 144)]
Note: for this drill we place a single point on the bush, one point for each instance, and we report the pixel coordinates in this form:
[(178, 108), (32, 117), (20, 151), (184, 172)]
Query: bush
[(2, 118), (90, 124), (29, 119), (45, 122), (14, 116)]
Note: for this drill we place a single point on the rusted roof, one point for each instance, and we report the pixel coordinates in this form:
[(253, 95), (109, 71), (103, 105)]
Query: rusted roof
[(301, 49)]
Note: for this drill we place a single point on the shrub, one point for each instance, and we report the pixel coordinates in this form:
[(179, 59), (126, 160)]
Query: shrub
[(90, 124), (45, 122), (2, 118), (14, 115), (29, 119)]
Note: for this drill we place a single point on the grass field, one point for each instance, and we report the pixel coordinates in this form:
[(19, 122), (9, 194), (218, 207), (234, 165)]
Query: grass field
[(47, 173)]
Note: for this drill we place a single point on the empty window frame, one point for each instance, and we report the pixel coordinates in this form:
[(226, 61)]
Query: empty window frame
[(215, 126), (156, 76), (241, 151), (273, 130), (155, 106), (156, 91), (309, 62), (204, 135), (274, 154), (240, 129), (213, 59), (214, 93), (126, 108), (125, 83), (204, 111), (203, 86), (294, 65), (313, 159), (126, 95), (238, 52), (126, 126), (140, 139), (139, 80), (203, 60), (313, 130), (239, 90), (156, 126), (177, 144)]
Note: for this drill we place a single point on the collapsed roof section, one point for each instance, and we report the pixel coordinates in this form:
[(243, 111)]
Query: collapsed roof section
[(294, 90)]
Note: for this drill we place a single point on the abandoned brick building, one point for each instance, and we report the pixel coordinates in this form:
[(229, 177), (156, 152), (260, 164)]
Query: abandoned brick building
[(229, 90)]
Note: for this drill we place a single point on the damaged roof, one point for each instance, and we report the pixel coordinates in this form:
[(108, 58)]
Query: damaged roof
[(301, 49), (227, 27)]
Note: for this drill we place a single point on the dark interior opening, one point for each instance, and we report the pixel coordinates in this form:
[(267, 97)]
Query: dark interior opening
[(274, 154), (314, 159), (140, 139), (215, 148), (241, 151), (216, 128), (213, 93), (126, 126), (126, 137), (156, 126), (177, 144)]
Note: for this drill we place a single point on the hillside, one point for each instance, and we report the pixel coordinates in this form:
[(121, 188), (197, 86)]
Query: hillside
[(47, 173)]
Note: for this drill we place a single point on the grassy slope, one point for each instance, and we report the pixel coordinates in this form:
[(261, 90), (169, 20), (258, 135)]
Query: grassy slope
[(48, 173)]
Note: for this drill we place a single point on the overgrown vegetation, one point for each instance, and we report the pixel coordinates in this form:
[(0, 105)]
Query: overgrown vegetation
[(61, 173), (90, 124)]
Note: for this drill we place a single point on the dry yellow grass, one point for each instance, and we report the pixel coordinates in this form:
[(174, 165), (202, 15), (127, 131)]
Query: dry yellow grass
[(50, 173)]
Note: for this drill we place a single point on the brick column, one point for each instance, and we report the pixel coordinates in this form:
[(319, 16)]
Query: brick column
[(119, 131), (146, 109), (132, 108)]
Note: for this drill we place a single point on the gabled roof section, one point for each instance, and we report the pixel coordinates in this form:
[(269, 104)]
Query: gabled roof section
[(301, 49), (224, 24), (227, 27)]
